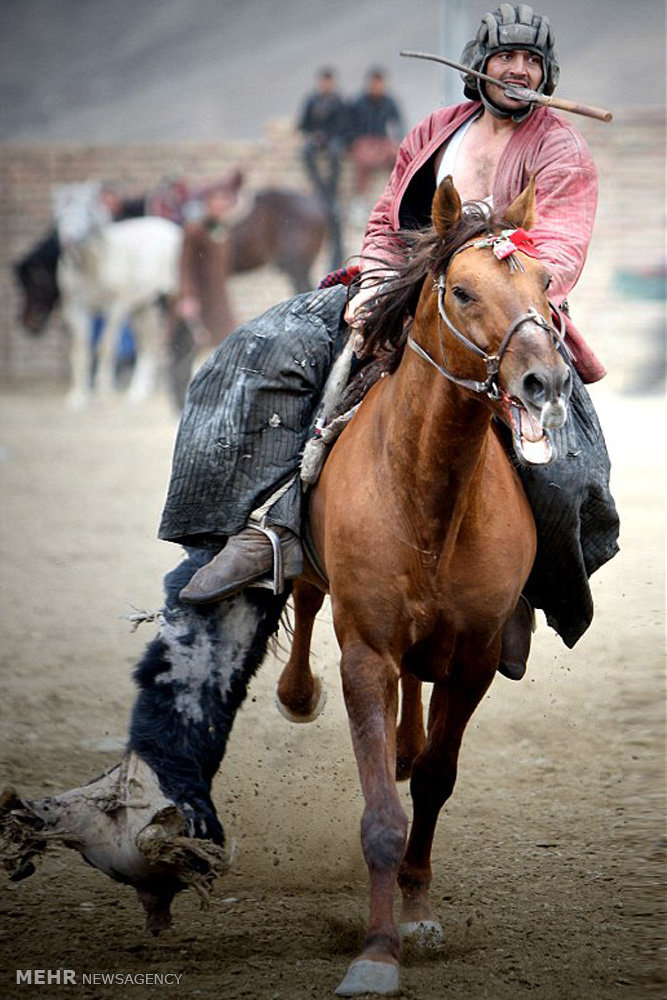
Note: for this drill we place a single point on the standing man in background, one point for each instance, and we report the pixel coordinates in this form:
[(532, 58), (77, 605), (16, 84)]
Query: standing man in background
[(324, 124), (377, 129)]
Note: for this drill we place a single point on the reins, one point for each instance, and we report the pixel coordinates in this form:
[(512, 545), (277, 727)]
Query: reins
[(489, 386)]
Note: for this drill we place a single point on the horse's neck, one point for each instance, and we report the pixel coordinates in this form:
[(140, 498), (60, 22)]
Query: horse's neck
[(84, 272), (87, 255), (439, 438), (242, 208)]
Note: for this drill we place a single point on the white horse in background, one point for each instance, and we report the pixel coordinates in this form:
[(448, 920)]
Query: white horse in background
[(121, 270)]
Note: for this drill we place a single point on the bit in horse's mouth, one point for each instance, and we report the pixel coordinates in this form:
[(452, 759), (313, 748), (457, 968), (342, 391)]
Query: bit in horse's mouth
[(532, 443)]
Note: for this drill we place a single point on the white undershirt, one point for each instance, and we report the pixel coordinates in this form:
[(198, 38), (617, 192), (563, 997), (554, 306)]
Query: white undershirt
[(448, 161)]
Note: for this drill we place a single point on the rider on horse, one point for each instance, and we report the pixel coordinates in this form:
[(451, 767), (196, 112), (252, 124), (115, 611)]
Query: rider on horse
[(234, 482), (151, 821)]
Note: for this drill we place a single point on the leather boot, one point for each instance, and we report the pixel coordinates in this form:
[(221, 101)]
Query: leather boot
[(516, 641), (245, 559)]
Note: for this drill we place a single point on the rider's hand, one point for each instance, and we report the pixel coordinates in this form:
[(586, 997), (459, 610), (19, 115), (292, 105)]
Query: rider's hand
[(354, 311)]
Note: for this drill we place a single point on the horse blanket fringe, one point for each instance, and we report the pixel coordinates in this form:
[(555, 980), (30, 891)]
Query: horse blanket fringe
[(250, 410)]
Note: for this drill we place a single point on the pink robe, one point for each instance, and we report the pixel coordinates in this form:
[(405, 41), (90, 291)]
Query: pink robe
[(544, 145)]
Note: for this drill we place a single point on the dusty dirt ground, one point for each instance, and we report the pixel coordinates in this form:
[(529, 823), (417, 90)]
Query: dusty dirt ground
[(545, 859)]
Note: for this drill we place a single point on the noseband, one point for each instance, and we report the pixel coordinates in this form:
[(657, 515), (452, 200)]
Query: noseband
[(490, 385)]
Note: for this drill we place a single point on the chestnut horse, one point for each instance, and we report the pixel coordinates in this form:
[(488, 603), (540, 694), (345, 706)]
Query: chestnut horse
[(421, 525)]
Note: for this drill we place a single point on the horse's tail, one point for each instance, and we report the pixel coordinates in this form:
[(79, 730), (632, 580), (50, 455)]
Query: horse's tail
[(193, 678)]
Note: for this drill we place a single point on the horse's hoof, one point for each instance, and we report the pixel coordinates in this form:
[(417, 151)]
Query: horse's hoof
[(77, 401), (320, 699), (421, 935), (366, 976)]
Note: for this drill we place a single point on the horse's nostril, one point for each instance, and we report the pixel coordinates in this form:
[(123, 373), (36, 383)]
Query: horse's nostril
[(534, 387)]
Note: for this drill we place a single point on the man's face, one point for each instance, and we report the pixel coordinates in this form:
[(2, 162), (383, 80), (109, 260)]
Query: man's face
[(111, 201), (376, 87), (218, 204), (514, 66)]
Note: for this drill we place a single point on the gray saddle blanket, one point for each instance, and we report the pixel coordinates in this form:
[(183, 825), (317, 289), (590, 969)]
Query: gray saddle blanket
[(248, 414)]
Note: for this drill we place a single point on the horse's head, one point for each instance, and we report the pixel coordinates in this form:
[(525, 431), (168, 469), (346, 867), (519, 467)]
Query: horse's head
[(78, 210), (36, 277), (495, 327)]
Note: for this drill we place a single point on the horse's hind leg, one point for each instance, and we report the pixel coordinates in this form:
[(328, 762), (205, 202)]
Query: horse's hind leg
[(147, 328), (431, 784), (300, 695), (410, 736), (107, 347)]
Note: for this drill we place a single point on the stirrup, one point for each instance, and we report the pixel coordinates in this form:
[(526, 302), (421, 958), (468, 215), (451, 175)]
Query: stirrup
[(278, 582)]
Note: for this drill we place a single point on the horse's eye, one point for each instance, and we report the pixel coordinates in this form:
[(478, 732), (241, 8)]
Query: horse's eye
[(461, 294), (547, 282)]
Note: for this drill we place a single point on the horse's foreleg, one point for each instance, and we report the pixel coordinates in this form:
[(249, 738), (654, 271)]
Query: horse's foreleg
[(432, 783), (410, 736), (78, 322), (181, 353), (370, 687), (300, 695)]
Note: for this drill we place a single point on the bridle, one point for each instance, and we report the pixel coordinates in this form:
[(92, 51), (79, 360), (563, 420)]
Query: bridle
[(489, 386)]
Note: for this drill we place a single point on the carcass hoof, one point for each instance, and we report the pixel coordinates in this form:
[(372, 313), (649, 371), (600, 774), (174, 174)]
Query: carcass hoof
[(421, 936), (319, 700), (21, 837), (366, 976), (123, 824), (157, 907)]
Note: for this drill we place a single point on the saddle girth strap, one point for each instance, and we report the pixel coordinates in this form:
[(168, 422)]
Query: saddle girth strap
[(311, 552)]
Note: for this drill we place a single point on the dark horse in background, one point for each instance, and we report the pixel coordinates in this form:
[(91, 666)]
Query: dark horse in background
[(238, 232), (285, 229), (36, 274)]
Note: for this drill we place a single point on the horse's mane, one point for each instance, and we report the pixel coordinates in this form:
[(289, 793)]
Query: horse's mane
[(422, 252)]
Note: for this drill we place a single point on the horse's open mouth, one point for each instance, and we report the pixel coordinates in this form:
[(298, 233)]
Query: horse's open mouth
[(532, 443)]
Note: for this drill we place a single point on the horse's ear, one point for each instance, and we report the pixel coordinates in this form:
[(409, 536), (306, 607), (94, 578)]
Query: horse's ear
[(446, 208), (236, 180), (522, 213)]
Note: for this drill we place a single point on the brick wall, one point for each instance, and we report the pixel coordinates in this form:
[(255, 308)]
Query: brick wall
[(630, 227)]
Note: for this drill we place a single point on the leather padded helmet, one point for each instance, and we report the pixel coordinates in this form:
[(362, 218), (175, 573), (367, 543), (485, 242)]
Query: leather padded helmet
[(510, 27)]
